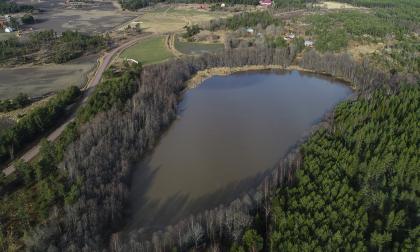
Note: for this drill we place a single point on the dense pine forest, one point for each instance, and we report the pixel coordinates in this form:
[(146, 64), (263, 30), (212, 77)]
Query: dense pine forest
[(49, 47), (39, 121), (137, 4), (29, 194), (357, 188), (291, 4), (7, 7)]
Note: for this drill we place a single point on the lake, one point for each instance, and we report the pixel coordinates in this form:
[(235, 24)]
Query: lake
[(230, 130)]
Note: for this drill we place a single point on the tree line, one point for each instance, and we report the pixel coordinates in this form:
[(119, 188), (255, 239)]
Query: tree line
[(20, 101), (39, 187), (333, 31), (35, 123), (7, 7), (138, 4), (246, 19), (289, 4), (349, 194), (59, 48)]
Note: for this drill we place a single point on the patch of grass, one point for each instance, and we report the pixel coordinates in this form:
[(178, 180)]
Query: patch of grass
[(148, 51), (161, 20), (39, 80), (197, 48), (6, 35)]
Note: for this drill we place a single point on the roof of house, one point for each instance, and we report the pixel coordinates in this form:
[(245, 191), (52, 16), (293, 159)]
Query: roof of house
[(265, 2)]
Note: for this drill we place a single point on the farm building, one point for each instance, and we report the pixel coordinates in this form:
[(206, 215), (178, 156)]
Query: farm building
[(8, 29)]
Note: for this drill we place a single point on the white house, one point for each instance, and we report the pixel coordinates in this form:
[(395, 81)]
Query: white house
[(250, 30), (309, 43), (289, 36), (223, 5), (8, 29)]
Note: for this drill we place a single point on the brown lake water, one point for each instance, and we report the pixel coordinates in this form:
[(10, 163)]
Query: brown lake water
[(230, 130)]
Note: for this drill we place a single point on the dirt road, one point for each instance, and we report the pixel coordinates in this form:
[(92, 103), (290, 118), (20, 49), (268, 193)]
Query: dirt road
[(104, 63), (170, 45)]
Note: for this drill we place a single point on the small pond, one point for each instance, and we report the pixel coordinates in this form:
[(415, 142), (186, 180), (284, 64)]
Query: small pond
[(230, 130)]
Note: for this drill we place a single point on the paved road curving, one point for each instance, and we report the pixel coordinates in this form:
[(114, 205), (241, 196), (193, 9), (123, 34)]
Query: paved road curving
[(106, 60)]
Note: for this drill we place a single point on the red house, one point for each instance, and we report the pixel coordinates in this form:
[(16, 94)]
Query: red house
[(266, 3)]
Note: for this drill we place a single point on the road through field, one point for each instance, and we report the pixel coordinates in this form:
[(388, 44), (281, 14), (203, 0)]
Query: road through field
[(103, 65)]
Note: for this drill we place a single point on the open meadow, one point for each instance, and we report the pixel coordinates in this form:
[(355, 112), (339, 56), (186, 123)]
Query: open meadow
[(148, 51), (172, 18), (192, 48), (6, 35), (39, 80)]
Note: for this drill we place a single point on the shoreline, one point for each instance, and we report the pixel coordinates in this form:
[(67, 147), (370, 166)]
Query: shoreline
[(203, 75)]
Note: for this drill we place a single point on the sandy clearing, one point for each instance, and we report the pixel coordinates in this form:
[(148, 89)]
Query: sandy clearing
[(335, 5)]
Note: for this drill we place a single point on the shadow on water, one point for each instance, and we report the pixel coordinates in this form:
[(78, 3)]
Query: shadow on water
[(151, 215)]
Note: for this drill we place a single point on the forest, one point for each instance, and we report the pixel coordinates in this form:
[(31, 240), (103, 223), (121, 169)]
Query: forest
[(403, 13), (20, 101), (7, 7), (36, 188), (288, 4), (56, 48), (138, 4), (35, 123), (357, 186), (246, 19), (333, 31)]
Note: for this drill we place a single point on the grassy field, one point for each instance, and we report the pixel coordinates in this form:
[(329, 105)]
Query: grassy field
[(148, 51), (334, 5), (173, 18), (5, 35), (192, 48), (38, 80)]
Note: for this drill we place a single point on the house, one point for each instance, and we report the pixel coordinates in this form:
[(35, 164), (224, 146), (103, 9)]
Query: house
[(250, 30), (8, 29), (289, 36), (266, 3), (222, 5), (309, 43)]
